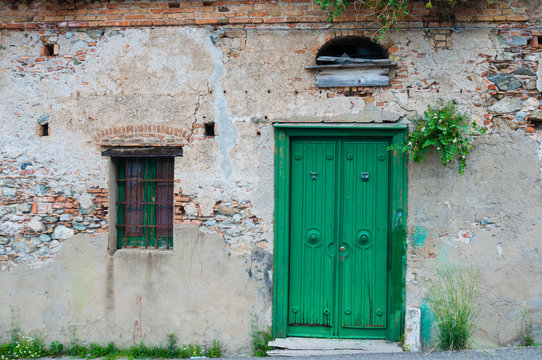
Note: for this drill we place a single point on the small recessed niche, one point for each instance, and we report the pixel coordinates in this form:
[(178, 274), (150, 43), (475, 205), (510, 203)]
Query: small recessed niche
[(43, 130), (174, 5), (49, 50), (210, 129)]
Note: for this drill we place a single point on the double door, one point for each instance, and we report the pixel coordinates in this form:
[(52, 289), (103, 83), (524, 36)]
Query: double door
[(338, 248)]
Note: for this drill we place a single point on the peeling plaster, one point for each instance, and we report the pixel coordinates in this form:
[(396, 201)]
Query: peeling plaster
[(227, 136)]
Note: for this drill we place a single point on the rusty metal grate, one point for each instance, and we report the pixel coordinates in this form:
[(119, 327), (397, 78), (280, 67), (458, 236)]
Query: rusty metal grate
[(145, 202)]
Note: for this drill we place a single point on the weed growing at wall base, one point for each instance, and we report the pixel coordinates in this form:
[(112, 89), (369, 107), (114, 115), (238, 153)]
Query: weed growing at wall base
[(260, 338), (527, 329), (23, 347), (215, 350), (29, 347), (452, 299), (260, 341)]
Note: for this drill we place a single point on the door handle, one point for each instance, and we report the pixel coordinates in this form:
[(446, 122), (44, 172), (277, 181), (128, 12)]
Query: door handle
[(342, 248)]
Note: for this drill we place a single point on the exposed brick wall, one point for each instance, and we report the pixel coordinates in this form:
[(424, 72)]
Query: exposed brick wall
[(40, 14), (233, 220), (35, 217)]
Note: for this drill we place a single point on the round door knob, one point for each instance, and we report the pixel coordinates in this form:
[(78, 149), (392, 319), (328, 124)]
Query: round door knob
[(313, 237), (326, 311), (342, 248), (363, 238)]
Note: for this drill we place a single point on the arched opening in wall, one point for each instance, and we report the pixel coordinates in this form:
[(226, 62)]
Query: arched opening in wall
[(352, 61), (350, 49)]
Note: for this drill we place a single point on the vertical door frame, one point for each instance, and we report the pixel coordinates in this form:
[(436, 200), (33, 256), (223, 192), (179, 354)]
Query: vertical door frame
[(395, 134)]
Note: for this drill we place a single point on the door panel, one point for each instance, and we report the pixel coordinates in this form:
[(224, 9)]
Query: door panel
[(338, 238), (312, 247), (363, 262)]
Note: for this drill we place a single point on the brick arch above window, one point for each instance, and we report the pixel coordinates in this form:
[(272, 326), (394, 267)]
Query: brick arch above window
[(143, 135)]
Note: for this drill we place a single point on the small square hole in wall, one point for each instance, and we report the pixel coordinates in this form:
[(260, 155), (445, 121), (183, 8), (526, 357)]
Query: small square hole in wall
[(210, 129), (43, 130), (536, 41), (49, 50), (173, 5)]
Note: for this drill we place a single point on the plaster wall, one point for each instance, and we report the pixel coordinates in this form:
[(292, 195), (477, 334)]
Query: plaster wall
[(107, 86)]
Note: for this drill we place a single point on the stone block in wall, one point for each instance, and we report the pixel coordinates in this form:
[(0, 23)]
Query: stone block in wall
[(412, 329)]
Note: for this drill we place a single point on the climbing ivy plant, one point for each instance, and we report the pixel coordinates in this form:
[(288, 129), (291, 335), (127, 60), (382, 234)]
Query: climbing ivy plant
[(444, 128), (388, 12)]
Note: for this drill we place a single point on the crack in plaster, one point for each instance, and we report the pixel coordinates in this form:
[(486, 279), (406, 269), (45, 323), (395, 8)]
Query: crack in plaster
[(539, 153), (227, 137)]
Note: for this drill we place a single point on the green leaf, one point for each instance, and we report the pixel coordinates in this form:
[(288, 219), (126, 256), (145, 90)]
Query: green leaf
[(445, 128)]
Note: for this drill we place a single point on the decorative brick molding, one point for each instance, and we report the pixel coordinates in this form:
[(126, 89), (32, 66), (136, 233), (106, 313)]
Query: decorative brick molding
[(142, 135), (293, 13)]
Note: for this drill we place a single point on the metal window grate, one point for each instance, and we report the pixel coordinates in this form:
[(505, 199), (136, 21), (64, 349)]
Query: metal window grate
[(145, 202)]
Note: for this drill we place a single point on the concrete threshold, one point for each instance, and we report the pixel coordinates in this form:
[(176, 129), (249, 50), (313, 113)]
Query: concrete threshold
[(299, 346)]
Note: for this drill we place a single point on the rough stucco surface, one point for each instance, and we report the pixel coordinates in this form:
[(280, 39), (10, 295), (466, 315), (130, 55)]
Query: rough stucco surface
[(196, 291), (221, 267), (488, 219)]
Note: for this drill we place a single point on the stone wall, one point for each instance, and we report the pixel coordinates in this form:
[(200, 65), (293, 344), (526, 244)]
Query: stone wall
[(94, 85)]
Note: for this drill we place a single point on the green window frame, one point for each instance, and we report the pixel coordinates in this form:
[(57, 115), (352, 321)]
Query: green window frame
[(145, 202)]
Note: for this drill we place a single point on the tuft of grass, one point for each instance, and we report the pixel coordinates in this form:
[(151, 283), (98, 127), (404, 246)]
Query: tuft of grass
[(6, 351), (55, 349), (23, 347), (77, 350), (214, 351), (190, 350), (28, 347), (260, 341), (527, 329), (452, 299)]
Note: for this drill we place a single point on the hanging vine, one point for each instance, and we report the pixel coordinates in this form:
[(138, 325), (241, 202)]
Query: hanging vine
[(388, 12), (444, 128)]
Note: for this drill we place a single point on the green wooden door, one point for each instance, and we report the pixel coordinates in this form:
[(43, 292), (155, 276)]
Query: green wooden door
[(338, 238), (313, 240), (364, 235)]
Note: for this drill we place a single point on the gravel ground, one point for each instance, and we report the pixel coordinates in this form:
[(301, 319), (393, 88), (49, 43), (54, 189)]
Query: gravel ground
[(531, 353)]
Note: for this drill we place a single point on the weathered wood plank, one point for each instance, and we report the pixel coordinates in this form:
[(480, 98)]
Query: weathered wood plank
[(353, 77), (347, 60), (360, 65)]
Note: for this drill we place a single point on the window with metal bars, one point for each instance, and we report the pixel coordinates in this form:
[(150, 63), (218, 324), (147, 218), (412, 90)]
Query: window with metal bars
[(145, 202)]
